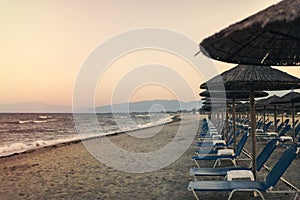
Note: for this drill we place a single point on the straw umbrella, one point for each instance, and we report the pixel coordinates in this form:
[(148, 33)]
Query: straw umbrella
[(226, 112), (267, 102), (221, 102), (218, 106), (252, 78), (233, 96), (230, 94), (207, 106), (290, 97), (269, 37)]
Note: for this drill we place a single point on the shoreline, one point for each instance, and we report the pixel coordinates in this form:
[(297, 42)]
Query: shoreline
[(175, 118)]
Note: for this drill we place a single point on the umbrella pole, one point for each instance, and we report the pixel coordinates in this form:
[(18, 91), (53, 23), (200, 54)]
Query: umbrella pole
[(264, 115), (275, 118), (222, 120), (227, 123), (253, 137), (293, 120), (233, 124)]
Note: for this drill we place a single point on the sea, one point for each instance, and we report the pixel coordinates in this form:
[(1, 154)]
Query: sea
[(21, 132)]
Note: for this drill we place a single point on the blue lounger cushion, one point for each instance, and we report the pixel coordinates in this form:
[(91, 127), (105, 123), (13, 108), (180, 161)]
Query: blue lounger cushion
[(225, 185), (214, 171), (207, 156), (260, 161), (213, 157)]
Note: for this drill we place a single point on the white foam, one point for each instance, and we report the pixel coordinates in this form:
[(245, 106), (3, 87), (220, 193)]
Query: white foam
[(12, 148), (24, 121), (19, 147), (43, 117)]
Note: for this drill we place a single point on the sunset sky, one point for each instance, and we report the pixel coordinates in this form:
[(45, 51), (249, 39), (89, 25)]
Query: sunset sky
[(44, 43)]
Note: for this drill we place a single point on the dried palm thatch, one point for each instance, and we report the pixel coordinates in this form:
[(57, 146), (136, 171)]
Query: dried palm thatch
[(257, 78), (288, 98), (217, 101), (240, 95), (208, 100), (269, 37), (206, 107), (214, 102), (267, 101)]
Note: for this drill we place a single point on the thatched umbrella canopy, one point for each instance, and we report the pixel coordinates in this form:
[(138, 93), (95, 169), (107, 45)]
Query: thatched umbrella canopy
[(296, 99), (269, 37), (267, 101), (240, 95), (252, 78), (219, 102), (245, 107), (297, 107), (291, 98), (206, 107)]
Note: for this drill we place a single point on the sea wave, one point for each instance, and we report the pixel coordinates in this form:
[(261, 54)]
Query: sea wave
[(44, 117), (40, 120), (24, 121), (19, 147)]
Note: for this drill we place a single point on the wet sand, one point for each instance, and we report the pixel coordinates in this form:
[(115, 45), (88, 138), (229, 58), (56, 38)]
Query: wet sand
[(71, 172)]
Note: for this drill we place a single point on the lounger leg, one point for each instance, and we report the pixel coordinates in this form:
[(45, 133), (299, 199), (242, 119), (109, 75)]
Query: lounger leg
[(296, 196), (197, 163), (230, 195), (260, 194), (195, 195), (215, 163), (234, 162), (237, 190), (218, 161)]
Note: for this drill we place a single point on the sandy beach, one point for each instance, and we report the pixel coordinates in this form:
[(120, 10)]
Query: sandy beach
[(71, 172)]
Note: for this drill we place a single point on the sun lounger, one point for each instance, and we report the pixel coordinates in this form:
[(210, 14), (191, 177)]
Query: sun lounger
[(286, 122), (218, 142), (272, 135), (260, 161), (213, 146), (267, 126), (247, 185), (224, 154)]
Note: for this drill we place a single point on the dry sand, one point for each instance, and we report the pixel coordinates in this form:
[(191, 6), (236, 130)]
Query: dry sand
[(70, 172)]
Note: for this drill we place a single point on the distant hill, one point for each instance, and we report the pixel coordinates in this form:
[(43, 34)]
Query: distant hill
[(142, 106), (149, 106), (34, 107)]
